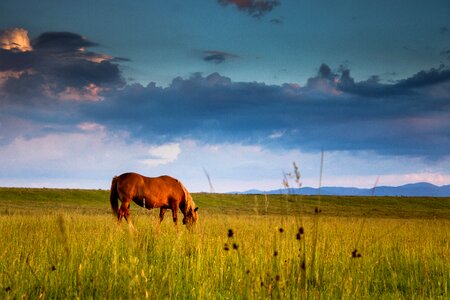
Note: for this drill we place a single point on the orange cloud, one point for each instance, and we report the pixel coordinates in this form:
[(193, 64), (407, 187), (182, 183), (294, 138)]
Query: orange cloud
[(90, 92), (15, 39), (99, 58)]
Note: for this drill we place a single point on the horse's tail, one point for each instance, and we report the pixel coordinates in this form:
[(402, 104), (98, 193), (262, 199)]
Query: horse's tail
[(114, 196)]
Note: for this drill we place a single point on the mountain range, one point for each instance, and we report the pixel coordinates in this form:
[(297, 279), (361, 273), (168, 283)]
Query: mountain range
[(421, 189)]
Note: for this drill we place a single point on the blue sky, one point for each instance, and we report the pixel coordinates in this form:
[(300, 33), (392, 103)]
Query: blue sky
[(239, 88)]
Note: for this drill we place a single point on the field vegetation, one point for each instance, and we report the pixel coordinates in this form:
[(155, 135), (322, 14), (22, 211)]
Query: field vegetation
[(66, 244)]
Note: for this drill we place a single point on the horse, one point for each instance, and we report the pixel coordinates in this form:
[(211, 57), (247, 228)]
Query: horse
[(162, 192)]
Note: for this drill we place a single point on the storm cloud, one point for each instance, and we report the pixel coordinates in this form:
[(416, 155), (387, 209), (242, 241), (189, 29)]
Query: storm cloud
[(255, 8), (322, 114), (55, 65), (55, 85), (217, 56)]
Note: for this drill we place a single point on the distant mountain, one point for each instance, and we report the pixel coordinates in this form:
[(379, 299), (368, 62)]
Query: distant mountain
[(409, 190)]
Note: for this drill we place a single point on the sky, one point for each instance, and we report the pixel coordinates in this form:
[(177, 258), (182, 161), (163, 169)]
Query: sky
[(225, 94)]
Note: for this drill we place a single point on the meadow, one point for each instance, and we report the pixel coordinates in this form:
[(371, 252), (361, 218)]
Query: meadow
[(66, 244)]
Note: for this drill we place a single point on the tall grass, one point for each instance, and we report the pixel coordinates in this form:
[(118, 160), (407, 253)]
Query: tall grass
[(72, 255), (66, 244)]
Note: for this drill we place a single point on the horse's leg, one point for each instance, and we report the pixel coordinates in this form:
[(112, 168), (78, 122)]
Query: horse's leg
[(124, 210), (162, 211), (175, 214)]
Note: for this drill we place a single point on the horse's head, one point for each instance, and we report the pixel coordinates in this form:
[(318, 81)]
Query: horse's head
[(190, 218)]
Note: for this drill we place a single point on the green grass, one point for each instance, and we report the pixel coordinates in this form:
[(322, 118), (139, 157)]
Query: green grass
[(29, 200), (65, 244)]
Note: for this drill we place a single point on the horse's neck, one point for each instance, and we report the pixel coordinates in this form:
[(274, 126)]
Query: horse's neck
[(184, 207)]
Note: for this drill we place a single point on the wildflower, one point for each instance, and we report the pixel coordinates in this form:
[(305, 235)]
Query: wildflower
[(275, 253), (230, 233), (355, 254), (226, 248), (281, 230), (235, 246)]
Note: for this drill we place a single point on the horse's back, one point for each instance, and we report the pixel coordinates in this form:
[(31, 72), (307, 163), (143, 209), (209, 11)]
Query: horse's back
[(130, 179), (134, 184), (164, 185)]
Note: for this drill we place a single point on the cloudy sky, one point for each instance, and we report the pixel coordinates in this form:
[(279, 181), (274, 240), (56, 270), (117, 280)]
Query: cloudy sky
[(233, 90)]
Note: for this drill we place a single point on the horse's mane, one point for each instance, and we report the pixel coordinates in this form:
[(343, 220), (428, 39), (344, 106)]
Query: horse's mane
[(189, 203)]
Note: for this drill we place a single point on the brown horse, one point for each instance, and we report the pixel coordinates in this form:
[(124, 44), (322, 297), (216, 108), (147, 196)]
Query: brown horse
[(162, 192)]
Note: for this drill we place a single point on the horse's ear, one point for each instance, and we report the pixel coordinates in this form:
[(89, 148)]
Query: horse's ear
[(196, 209)]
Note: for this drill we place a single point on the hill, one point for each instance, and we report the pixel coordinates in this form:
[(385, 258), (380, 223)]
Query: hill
[(96, 202), (422, 189)]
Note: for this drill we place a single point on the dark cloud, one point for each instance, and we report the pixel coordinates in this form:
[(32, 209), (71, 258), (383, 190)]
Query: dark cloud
[(215, 109), (16, 61), (341, 81), (61, 42), (255, 8), (332, 111), (57, 67), (426, 78), (325, 72), (217, 56)]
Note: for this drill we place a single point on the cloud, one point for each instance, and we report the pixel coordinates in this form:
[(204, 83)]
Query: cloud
[(332, 111), (58, 84), (426, 78), (324, 82), (89, 152), (15, 39), (328, 81), (255, 8), (217, 56), (53, 66), (243, 133), (91, 155), (61, 42), (90, 126), (277, 134), (163, 154)]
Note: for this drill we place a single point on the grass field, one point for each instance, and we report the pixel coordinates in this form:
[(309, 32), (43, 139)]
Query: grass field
[(66, 244)]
